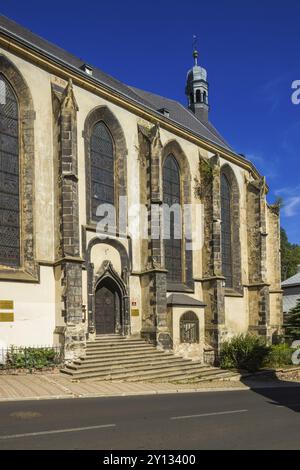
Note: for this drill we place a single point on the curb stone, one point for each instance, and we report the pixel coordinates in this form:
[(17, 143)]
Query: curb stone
[(146, 392)]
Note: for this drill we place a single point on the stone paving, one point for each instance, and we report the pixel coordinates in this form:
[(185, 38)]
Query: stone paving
[(41, 386), (56, 385)]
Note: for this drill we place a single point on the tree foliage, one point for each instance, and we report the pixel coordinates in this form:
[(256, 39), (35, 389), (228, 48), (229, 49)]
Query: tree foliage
[(290, 256), (293, 322)]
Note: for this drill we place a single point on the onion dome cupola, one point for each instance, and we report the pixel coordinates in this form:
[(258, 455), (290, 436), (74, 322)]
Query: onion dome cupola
[(196, 90)]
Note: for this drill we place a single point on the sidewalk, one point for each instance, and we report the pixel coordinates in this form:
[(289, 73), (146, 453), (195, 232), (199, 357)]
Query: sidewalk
[(56, 385)]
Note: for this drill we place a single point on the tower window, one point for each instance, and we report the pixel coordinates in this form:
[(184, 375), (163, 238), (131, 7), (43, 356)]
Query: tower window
[(198, 96)]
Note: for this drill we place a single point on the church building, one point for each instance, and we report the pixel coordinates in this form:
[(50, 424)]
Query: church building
[(73, 139)]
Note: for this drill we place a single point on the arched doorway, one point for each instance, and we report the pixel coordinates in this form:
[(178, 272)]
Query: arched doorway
[(107, 307)]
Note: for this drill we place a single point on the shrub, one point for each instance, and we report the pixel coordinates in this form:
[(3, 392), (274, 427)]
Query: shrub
[(279, 355), (244, 352), (32, 358)]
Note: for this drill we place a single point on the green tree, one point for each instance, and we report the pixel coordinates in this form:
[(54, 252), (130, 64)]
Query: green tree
[(290, 256), (293, 322)]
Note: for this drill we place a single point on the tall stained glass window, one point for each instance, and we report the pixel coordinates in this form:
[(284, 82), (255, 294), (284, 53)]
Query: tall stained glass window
[(9, 176), (102, 168), (226, 237), (171, 195)]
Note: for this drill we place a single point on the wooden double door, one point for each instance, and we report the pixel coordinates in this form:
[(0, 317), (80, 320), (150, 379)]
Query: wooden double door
[(107, 309)]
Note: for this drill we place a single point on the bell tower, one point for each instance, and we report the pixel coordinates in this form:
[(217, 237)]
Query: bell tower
[(196, 89)]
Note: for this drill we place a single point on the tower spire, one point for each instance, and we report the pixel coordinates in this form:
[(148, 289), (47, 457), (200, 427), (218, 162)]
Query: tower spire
[(195, 50), (197, 87)]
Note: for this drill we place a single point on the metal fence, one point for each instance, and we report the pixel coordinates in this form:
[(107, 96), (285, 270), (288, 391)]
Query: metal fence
[(33, 357)]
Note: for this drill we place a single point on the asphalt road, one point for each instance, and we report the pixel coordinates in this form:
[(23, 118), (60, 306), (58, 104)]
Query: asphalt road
[(261, 419)]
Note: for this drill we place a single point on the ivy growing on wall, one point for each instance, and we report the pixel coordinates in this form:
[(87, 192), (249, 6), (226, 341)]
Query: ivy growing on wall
[(204, 179)]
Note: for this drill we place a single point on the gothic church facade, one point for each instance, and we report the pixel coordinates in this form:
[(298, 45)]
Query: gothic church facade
[(72, 137)]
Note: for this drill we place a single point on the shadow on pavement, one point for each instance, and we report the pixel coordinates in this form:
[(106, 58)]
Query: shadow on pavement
[(280, 392)]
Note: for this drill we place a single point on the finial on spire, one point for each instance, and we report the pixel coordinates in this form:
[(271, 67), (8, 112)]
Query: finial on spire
[(195, 49)]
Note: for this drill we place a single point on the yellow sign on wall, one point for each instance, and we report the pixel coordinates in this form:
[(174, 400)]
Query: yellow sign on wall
[(6, 304), (6, 316), (135, 312)]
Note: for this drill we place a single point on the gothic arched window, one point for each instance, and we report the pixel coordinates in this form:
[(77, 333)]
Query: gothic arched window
[(172, 195), (226, 231), (102, 168), (9, 176), (198, 96)]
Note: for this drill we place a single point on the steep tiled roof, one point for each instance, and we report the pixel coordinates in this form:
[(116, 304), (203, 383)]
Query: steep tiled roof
[(182, 115), (292, 281), (178, 113), (289, 302)]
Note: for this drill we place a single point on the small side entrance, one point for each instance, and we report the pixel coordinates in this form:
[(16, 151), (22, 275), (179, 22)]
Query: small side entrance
[(107, 308)]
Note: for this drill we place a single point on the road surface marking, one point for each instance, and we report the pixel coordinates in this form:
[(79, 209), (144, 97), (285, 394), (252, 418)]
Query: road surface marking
[(287, 405), (210, 414), (56, 431)]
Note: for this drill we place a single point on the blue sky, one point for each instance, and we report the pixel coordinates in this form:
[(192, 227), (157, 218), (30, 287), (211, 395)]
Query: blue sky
[(250, 49)]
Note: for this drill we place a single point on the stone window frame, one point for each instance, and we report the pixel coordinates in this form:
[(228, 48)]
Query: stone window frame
[(192, 320), (92, 279), (106, 116), (173, 148), (237, 287), (29, 268)]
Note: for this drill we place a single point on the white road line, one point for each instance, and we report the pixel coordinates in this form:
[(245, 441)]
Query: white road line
[(288, 405), (56, 431), (210, 414)]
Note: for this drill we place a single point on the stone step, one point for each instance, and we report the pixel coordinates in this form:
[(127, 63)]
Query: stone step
[(115, 344), (119, 347), (113, 357), (166, 372), (127, 352), (116, 338), (112, 344), (218, 375), (119, 340), (148, 360), (126, 368), (133, 357), (201, 374), (173, 376), (110, 336), (134, 374)]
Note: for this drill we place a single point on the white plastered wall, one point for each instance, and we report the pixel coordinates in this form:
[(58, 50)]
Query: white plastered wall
[(34, 311), (34, 304), (236, 315)]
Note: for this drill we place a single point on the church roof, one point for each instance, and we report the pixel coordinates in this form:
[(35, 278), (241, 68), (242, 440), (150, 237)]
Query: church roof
[(290, 301), (183, 300), (183, 116), (292, 281), (177, 112)]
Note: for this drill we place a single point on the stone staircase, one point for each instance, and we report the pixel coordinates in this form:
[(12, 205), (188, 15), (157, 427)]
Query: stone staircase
[(114, 357)]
